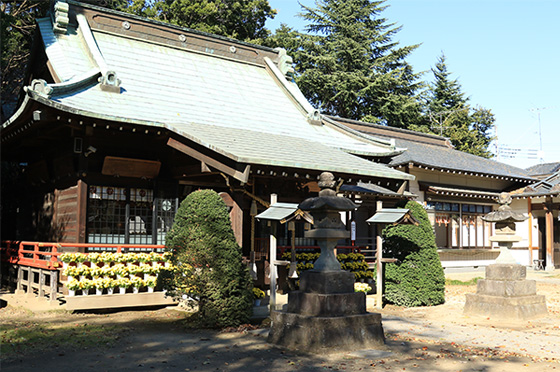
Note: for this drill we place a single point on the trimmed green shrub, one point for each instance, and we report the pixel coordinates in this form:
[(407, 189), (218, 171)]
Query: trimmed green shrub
[(208, 262), (417, 279)]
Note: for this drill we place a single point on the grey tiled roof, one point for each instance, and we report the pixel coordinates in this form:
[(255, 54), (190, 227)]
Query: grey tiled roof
[(447, 158), (434, 151), (239, 109), (543, 169)]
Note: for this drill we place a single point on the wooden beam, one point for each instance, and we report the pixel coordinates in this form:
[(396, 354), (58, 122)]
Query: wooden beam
[(241, 176)]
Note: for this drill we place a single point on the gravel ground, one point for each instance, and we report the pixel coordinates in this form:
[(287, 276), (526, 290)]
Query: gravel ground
[(435, 339)]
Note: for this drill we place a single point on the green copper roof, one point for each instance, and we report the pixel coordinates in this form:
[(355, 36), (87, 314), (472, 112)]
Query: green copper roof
[(240, 109)]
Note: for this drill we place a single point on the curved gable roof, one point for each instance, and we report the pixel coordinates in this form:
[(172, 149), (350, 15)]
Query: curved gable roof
[(228, 96)]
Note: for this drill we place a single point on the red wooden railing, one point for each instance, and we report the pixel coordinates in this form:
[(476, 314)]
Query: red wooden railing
[(44, 255)]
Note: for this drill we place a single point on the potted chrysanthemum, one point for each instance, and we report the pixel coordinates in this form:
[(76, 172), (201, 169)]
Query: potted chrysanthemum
[(73, 285), (258, 295), (137, 283), (123, 284)]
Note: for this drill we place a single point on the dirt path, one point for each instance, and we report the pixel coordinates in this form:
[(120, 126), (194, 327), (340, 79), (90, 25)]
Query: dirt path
[(422, 339)]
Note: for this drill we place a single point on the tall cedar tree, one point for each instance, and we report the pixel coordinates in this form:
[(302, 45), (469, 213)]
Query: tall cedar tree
[(450, 115), (347, 64), (209, 261), (417, 279), (240, 19)]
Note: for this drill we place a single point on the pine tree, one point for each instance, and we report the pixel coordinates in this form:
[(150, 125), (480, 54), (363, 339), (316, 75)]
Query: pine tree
[(347, 64), (450, 115), (208, 261), (417, 279)]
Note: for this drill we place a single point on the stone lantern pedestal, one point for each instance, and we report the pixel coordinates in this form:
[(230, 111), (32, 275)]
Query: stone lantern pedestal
[(505, 293), (326, 315)]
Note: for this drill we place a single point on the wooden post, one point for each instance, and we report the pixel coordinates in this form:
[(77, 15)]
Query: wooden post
[(549, 265), (379, 267), (54, 285), (29, 281), (273, 274), (378, 264), (41, 289), (19, 285), (530, 222)]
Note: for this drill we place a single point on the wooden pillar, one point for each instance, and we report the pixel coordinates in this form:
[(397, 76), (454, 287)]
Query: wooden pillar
[(378, 264), (273, 272), (549, 261), (530, 222), (54, 285), (379, 267), (41, 291), (19, 285), (29, 281), (235, 215)]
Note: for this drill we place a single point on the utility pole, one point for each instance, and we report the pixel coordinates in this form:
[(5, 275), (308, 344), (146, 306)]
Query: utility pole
[(538, 111)]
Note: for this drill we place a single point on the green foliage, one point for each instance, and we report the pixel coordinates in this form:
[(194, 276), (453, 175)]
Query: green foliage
[(449, 114), (417, 279), (17, 26), (238, 19), (347, 64), (209, 261), (472, 281)]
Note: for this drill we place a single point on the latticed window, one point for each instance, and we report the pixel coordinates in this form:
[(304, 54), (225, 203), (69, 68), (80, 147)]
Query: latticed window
[(118, 215)]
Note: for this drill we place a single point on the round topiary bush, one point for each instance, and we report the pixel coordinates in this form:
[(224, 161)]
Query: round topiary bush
[(417, 279), (208, 262)]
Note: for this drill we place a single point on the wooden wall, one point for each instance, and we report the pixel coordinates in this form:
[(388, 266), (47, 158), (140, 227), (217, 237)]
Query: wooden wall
[(70, 212)]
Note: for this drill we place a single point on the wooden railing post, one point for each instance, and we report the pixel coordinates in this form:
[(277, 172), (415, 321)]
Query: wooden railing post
[(54, 285), (29, 281), (41, 292), (19, 285)]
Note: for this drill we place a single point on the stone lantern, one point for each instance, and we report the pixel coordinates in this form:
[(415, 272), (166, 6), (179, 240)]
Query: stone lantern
[(505, 293), (325, 315)]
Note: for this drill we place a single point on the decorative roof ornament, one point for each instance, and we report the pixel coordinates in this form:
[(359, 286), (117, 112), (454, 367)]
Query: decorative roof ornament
[(285, 63), (110, 82), (41, 87), (314, 117), (61, 20)]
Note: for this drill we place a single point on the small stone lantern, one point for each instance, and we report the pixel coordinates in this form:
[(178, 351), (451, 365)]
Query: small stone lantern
[(505, 293)]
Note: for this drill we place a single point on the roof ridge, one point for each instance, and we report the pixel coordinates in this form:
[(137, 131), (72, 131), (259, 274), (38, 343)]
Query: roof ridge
[(169, 25), (394, 129)]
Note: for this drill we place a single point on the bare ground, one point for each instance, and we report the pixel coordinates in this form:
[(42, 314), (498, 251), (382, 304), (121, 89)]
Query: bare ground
[(421, 339)]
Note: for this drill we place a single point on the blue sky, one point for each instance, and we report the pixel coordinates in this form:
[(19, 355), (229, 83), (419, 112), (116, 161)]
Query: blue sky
[(504, 53)]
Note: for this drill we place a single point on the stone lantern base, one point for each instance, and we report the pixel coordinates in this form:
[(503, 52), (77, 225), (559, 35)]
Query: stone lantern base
[(323, 335), (506, 294), (326, 316)]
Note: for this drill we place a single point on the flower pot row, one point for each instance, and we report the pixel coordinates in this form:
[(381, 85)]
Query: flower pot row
[(112, 270), (108, 257), (107, 284)]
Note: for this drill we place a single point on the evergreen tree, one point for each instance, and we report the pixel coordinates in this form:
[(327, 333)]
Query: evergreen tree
[(237, 19), (450, 115), (417, 279), (209, 261), (347, 64)]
